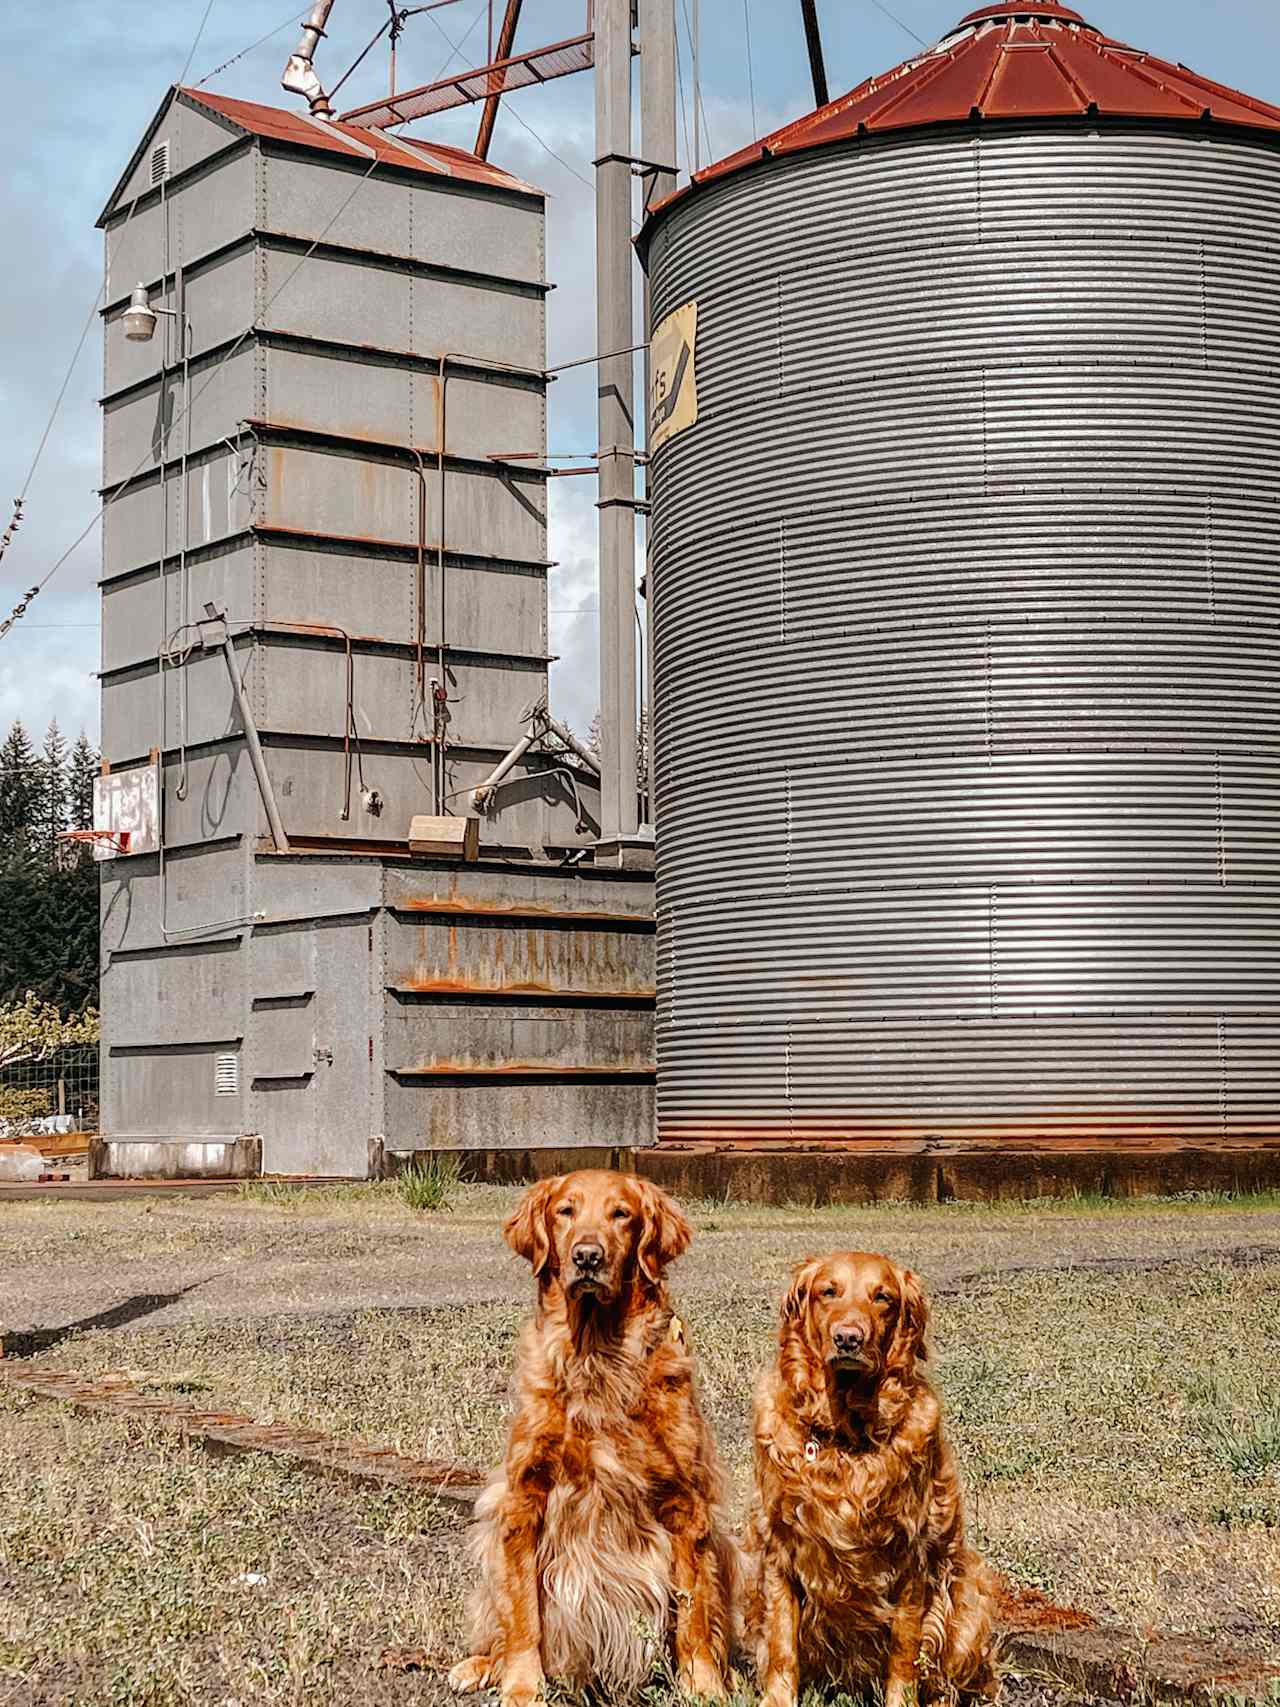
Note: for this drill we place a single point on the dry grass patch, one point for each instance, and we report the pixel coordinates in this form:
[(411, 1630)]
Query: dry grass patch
[(1117, 1427)]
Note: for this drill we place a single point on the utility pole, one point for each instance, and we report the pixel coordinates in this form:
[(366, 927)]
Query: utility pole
[(615, 331), (658, 148)]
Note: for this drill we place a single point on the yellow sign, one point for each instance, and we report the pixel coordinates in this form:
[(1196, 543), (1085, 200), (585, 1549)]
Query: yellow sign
[(673, 396)]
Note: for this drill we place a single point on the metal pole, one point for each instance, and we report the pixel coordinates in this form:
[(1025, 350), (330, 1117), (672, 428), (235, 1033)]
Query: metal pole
[(695, 45), (657, 144), (617, 503), (506, 47), (250, 728), (813, 40)]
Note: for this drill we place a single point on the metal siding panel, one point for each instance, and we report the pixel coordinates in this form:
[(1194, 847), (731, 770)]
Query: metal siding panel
[(221, 397), (202, 885), (536, 811), (344, 299), (515, 1117), (490, 234), (134, 625), (474, 955), (443, 1038), (302, 197), (487, 232), (192, 993), (965, 643), (395, 402), (363, 496), (220, 305)]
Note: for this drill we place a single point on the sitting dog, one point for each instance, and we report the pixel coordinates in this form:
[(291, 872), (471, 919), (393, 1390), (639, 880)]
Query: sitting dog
[(600, 1541), (860, 1575)]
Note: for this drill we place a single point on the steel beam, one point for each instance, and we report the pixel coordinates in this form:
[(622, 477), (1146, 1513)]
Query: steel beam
[(658, 145), (615, 330), (506, 46), (813, 40)]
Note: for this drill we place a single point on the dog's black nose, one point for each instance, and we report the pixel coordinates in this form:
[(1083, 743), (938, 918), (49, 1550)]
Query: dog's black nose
[(848, 1337), (587, 1258)]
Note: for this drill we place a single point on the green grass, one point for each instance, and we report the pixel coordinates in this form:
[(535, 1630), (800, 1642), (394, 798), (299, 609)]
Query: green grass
[(430, 1184), (1117, 1429)]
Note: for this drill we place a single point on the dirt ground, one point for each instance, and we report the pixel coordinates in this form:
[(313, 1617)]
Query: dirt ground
[(1111, 1374)]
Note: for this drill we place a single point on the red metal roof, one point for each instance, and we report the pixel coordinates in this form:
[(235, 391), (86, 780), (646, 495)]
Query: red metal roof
[(433, 158), (1037, 59)]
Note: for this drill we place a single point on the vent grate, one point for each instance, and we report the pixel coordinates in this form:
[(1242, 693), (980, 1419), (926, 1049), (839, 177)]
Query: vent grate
[(226, 1075), (159, 162)]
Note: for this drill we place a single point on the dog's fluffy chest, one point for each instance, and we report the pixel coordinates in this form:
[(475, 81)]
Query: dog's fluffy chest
[(604, 1565)]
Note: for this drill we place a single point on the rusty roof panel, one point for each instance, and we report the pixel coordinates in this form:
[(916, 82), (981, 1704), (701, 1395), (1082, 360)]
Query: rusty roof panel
[(433, 159), (1011, 60)]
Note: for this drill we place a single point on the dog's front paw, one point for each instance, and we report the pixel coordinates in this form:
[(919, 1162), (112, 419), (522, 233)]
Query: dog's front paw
[(701, 1677), (779, 1692), (521, 1682), (473, 1673), (522, 1694)]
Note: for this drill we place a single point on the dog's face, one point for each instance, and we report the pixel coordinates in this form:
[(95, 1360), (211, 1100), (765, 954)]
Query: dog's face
[(595, 1230), (859, 1314)]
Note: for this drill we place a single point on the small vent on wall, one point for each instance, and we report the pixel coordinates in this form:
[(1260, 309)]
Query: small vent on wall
[(226, 1075), (159, 162)]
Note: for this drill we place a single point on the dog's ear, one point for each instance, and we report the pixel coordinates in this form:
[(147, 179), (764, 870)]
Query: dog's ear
[(908, 1346), (666, 1232), (796, 1298), (526, 1229)]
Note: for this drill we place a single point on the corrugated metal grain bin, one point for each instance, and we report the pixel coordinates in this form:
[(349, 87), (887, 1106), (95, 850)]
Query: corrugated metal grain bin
[(965, 599)]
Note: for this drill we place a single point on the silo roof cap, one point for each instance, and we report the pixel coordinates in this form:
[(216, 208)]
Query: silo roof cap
[(1031, 60)]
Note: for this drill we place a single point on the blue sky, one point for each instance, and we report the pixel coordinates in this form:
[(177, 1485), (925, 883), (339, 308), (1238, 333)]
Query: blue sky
[(78, 85)]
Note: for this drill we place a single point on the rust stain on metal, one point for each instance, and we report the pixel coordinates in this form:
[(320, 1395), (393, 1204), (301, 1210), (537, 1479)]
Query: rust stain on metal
[(466, 987), (526, 1069), (471, 908), (227, 1431)]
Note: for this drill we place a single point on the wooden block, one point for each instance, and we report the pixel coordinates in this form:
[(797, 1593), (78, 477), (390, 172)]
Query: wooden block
[(447, 838)]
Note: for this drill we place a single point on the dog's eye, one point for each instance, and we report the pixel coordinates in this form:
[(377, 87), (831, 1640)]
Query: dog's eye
[(828, 1291), (883, 1297), (621, 1214), (565, 1209)]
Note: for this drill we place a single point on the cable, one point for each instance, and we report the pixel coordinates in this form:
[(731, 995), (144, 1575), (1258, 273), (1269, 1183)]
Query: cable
[(66, 381), (751, 76), (455, 47), (507, 108), (684, 111), (894, 18), (360, 57), (196, 43), (89, 319), (248, 332), (697, 92), (293, 18)]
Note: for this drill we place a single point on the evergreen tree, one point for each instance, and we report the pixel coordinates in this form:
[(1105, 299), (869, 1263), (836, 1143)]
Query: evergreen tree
[(51, 812), (84, 767), (21, 787)]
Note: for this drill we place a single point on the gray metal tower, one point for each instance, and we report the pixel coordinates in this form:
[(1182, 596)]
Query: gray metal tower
[(324, 614)]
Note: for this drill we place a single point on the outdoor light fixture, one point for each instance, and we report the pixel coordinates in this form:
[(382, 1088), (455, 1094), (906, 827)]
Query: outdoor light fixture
[(140, 317)]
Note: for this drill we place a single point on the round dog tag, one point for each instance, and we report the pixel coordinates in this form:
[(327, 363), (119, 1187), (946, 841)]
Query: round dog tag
[(810, 1451)]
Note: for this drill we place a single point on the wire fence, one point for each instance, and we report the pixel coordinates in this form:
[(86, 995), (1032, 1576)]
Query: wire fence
[(56, 1095)]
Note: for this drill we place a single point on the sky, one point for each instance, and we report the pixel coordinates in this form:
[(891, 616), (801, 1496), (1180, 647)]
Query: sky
[(79, 85)]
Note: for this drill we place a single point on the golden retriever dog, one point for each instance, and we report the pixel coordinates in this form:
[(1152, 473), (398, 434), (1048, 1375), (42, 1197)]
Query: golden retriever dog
[(600, 1541), (859, 1571)]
